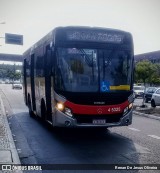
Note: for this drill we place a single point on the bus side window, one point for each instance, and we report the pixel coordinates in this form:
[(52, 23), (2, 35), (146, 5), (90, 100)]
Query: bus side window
[(39, 66), (48, 62), (53, 61)]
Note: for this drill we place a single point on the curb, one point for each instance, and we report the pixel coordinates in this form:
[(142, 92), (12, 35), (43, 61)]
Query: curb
[(146, 115), (15, 157)]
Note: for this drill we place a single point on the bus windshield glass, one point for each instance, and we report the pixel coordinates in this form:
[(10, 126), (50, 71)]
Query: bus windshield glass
[(92, 70)]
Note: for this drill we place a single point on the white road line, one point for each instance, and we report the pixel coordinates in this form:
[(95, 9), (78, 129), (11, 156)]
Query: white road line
[(134, 129), (154, 136)]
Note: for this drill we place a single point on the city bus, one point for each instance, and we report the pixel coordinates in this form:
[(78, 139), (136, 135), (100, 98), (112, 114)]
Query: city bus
[(80, 77)]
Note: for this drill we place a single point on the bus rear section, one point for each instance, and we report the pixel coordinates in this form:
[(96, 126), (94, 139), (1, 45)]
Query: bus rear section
[(90, 78)]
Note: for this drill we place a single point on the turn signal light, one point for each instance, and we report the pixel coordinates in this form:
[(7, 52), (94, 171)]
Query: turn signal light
[(130, 105)]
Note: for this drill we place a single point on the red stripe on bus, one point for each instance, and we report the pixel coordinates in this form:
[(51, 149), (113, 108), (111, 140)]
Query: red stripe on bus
[(94, 110)]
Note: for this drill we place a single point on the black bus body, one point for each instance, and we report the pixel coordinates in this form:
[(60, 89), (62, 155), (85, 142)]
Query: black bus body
[(81, 77)]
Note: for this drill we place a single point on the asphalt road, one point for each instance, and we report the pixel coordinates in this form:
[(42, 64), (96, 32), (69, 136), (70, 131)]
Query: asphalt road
[(37, 144)]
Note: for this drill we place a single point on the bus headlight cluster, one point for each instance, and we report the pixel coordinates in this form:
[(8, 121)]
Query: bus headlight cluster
[(68, 112), (62, 108), (129, 107)]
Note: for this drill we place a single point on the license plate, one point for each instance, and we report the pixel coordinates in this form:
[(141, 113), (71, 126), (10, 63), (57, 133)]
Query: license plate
[(99, 121)]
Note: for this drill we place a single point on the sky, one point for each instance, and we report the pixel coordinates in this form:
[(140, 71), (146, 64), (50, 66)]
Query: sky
[(35, 18)]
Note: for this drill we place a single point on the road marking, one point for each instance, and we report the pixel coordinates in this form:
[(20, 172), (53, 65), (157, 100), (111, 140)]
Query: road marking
[(154, 136), (134, 129)]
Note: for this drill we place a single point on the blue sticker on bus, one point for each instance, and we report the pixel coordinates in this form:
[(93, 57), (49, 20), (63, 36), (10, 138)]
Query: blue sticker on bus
[(105, 86)]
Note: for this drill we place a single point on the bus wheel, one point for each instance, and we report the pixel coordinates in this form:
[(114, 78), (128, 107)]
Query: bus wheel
[(30, 108)]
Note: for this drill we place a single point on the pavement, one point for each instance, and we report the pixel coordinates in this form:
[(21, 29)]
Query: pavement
[(8, 151), (145, 109), (147, 115)]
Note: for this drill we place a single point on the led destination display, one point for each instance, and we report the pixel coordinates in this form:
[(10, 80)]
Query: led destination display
[(95, 36)]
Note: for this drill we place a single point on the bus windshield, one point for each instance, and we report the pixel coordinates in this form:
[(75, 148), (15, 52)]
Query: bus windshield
[(92, 70)]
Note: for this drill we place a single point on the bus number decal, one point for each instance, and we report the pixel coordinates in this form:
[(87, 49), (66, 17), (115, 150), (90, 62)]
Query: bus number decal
[(116, 109)]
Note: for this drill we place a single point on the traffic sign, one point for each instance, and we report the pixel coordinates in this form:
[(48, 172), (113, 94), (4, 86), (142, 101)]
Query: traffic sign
[(13, 39)]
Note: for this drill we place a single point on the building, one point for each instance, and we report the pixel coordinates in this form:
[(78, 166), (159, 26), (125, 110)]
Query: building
[(154, 57)]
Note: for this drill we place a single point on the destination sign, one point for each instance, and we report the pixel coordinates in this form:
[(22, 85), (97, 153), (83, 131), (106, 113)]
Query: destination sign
[(95, 36)]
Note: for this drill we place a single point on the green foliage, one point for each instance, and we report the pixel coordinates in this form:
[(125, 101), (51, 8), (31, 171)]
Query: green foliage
[(156, 77), (147, 72), (10, 71)]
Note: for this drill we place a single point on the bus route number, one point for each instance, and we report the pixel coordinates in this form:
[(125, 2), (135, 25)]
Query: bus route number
[(116, 109)]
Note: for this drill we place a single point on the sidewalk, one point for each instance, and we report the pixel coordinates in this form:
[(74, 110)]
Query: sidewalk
[(147, 111), (8, 152)]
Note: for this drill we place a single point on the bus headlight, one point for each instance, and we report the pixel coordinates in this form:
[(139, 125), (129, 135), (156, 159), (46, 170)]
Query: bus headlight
[(68, 112), (60, 106)]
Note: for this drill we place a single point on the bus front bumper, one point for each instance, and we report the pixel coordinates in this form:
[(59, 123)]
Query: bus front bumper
[(62, 120)]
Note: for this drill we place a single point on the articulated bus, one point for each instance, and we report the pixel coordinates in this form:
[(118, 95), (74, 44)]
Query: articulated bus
[(81, 77)]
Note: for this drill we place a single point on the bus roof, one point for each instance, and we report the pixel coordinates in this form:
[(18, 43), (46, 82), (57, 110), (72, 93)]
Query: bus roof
[(82, 33)]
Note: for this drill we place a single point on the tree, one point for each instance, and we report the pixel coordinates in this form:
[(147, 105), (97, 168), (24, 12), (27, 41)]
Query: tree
[(144, 71), (156, 77), (10, 71)]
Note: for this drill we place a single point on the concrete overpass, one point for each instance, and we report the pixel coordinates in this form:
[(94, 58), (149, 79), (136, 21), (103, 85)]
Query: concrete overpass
[(11, 57)]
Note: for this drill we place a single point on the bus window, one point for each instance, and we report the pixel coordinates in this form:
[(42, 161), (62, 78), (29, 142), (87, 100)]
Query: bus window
[(115, 68), (77, 69)]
